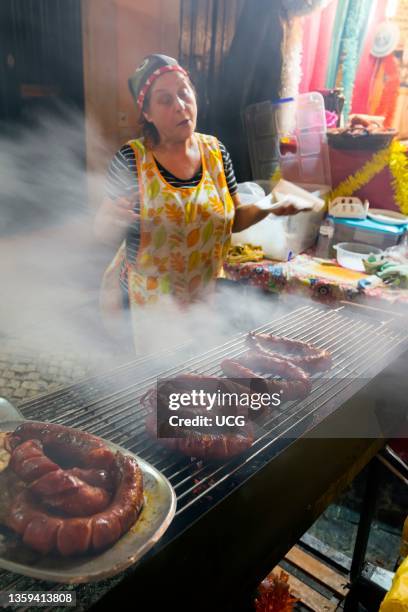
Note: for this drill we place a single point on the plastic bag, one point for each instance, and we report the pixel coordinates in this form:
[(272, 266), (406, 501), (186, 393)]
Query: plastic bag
[(250, 193), (396, 599)]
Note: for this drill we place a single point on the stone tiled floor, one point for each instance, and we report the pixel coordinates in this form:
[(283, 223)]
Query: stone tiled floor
[(25, 373), (50, 331)]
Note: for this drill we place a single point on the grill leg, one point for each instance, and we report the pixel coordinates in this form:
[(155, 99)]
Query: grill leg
[(359, 588), (366, 518)]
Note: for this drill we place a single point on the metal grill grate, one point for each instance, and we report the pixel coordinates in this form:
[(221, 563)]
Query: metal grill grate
[(108, 406)]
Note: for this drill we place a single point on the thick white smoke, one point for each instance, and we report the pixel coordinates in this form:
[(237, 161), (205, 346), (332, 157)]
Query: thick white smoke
[(51, 264)]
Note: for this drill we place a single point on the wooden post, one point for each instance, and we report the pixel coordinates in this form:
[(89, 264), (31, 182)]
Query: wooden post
[(101, 90)]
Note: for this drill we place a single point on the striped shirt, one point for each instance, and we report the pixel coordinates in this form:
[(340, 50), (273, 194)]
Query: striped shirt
[(122, 182)]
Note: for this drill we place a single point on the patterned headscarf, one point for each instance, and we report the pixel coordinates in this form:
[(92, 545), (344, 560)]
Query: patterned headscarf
[(148, 71)]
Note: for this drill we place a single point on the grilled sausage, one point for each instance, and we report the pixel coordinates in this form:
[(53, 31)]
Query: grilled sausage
[(211, 446), (29, 462), (54, 483), (37, 529), (46, 532), (94, 477), (124, 509), (56, 488), (303, 354), (295, 383), (258, 384), (264, 361), (66, 446), (218, 446), (206, 445), (75, 497)]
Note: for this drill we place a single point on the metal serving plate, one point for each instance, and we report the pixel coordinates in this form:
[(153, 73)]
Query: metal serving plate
[(157, 513)]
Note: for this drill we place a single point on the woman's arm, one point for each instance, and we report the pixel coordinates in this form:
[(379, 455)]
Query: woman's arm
[(120, 206), (247, 215), (113, 220)]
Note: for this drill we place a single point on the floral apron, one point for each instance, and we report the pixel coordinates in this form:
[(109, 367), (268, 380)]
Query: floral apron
[(184, 235)]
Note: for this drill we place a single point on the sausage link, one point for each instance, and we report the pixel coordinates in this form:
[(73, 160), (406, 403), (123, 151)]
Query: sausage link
[(81, 500), (303, 354), (29, 462), (45, 532), (64, 444), (58, 489), (218, 446), (295, 383)]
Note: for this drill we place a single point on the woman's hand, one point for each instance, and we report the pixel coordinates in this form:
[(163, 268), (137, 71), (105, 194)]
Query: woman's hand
[(245, 216), (113, 219), (290, 207)]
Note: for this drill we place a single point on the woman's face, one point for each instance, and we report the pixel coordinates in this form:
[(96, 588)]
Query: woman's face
[(172, 107)]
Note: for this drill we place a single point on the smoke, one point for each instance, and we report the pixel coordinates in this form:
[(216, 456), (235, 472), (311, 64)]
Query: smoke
[(227, 311), (51, 265), (42, 178)]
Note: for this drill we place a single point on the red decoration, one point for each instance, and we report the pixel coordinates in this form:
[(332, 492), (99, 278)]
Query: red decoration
[(274, 595), (385, 89), (379, 191)]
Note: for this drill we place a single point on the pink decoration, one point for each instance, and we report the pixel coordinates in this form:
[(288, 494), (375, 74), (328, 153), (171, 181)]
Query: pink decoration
[(311, 27), (331, 119), (367, 62), (318, 29)]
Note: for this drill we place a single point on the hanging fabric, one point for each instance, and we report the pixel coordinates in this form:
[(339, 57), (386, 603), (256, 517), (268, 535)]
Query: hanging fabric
[(367, 62), (339, 23), (384, 89), (355, 27), (311, 31), (292, 57), (321, 63)]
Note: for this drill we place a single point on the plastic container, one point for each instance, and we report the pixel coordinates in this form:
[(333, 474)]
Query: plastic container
[(283, 189), (266, 185), (291, 133), (262, 139), (325, 239), (381, 235), (302, 133), (351, 254)]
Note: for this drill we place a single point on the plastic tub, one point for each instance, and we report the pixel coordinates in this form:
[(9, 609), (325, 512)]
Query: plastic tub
[(367, 231), (351, 254)]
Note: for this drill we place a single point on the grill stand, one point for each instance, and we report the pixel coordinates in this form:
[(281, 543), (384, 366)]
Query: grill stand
[(368, 585), (220, 568), (221, 558)]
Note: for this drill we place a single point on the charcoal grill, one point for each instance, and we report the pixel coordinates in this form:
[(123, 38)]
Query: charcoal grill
[(236, 520)]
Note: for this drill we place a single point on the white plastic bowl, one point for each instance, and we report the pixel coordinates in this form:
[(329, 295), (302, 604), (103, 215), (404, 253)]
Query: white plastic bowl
[(352, 254)]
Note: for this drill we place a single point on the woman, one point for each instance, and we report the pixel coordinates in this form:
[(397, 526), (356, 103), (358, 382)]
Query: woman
[(173, 199)]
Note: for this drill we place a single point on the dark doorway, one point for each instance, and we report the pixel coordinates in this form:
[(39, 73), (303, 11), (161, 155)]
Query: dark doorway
[(41, 57), (41, 112)]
